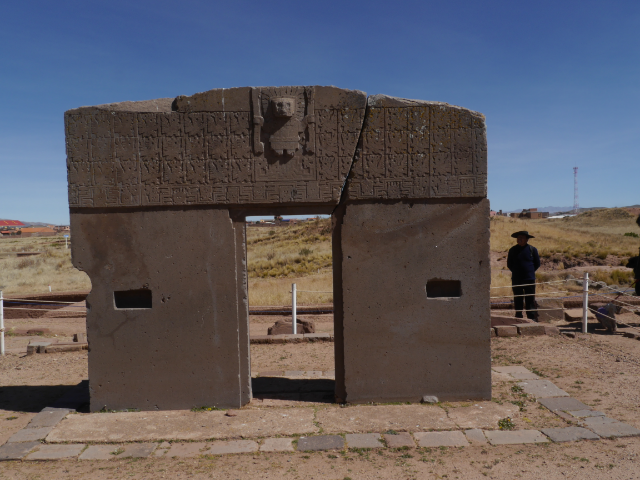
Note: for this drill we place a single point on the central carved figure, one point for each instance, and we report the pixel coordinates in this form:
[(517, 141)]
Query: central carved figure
[(285, 140)]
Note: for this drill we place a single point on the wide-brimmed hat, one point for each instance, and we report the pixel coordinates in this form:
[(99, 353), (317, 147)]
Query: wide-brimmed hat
[(522, 232)]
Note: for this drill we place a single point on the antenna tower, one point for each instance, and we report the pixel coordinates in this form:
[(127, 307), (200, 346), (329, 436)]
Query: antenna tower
[(576, 206)]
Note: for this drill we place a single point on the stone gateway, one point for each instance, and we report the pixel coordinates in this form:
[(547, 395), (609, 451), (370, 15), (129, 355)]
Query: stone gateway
[(159, 191)]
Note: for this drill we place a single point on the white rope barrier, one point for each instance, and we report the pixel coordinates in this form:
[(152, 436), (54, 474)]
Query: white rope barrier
[(539, 283), (43, 309), (537, 294), (27, 300)]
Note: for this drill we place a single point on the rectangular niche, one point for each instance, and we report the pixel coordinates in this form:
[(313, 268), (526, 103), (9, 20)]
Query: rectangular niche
[(438, 288), (127, 299)]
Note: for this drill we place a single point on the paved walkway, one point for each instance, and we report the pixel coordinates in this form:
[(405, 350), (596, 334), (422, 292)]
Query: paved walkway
[(54, 434)]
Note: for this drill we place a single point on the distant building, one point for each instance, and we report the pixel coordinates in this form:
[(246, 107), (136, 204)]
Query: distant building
[(38, 232), (62, 228), (531, 213), (4, 224)]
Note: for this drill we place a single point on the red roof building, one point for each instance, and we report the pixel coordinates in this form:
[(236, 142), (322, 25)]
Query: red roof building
[(11, 223)]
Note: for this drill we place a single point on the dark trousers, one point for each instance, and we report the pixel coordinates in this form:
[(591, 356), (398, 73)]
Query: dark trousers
[(528, 301)]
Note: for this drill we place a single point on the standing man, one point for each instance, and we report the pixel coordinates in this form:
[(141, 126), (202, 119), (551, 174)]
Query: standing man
[(523, 261)]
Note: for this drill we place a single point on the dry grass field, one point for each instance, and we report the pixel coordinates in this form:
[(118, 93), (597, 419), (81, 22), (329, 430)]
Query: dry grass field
[(278, 256)]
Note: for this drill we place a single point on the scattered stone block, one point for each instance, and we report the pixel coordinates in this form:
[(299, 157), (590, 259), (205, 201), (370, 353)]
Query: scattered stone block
[(615, 429), (500, 320), (631, 335), (517, 372), (566, 404), (260, 339), (506, 331), (320, 442), (530, 329), (500, 437), (80, 337), (277, 445), (184, 450), (586, 413), (551, 309), (476, 436), (30, 434), (55, 348), (284, 327), (233, 446), (430, 399), (551, 330), (399, 440), (569, 434), (318, 337), (364, 440), (37, 347), (47, 418), (55, 452), (16, 451), (441, 439), (575, 315), (542, 389), (569, 334)]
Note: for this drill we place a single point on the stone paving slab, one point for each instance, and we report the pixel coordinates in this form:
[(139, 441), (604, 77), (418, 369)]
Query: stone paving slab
[(586, 413), (500, 378), (506, 331), (616, 429), (233, 446), (16, 451), (542, 388), (362, 418), (99, 452), (515, 437), (476, 436), (441, 439), (399, 440), (569, 434), (108, 452), (277, 445), (565, 404), (30, 434), (482, 414), (138, 450), (590, 421), (55, 452), (320, 442), (182, 425), (48, 418), (185, 450), (364, 440), (517, 372)]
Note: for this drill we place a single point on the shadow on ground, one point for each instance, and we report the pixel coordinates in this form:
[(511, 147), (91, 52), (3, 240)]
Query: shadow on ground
[(33, 398), (320, 390)]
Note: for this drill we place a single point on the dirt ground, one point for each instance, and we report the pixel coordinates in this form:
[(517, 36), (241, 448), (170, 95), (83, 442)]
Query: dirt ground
[(602, 371)]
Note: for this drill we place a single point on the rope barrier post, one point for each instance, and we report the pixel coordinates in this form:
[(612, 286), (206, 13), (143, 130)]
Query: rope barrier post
[(293, 308), (585, 301), (1, 324)]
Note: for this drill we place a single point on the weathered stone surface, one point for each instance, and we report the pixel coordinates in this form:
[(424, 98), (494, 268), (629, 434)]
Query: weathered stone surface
[(429, 399), (517, 372), (481, 415), (498, 437), (575, 315), (364, 440), (552, 309), (64, 348), (16, 451), (182, 425), (100, 452), (186, 450), (551, 330), (80, 337), (569, 434), (47, 418), (615, 429), (476, 436), (362, 418), (506, 331), (284, 327), (402, 439), (441, 439), (234, 446), (138, 356), (597, 420), (586, 413), (277, 445), (530, 329), (30, 434), (55, 452), (318, 337), (415, 340), (320, 442), (501, 320), (565, 404), (246, 145), (542, 389), (412, 149)]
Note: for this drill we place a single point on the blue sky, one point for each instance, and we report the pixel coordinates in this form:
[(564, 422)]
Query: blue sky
[(559, 82)]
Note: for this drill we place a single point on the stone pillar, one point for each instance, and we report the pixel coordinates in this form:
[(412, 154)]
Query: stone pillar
[(167, 308), (414, 314)]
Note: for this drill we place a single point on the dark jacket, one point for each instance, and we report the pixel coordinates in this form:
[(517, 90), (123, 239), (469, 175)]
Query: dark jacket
[(523, 263), (634, 262)]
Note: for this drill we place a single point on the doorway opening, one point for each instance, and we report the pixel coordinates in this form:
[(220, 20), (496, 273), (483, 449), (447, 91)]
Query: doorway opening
[(283, 250)]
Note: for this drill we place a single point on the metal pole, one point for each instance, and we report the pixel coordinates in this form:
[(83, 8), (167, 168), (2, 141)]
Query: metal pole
[(1, 324), (294, 307), (585, 301)]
